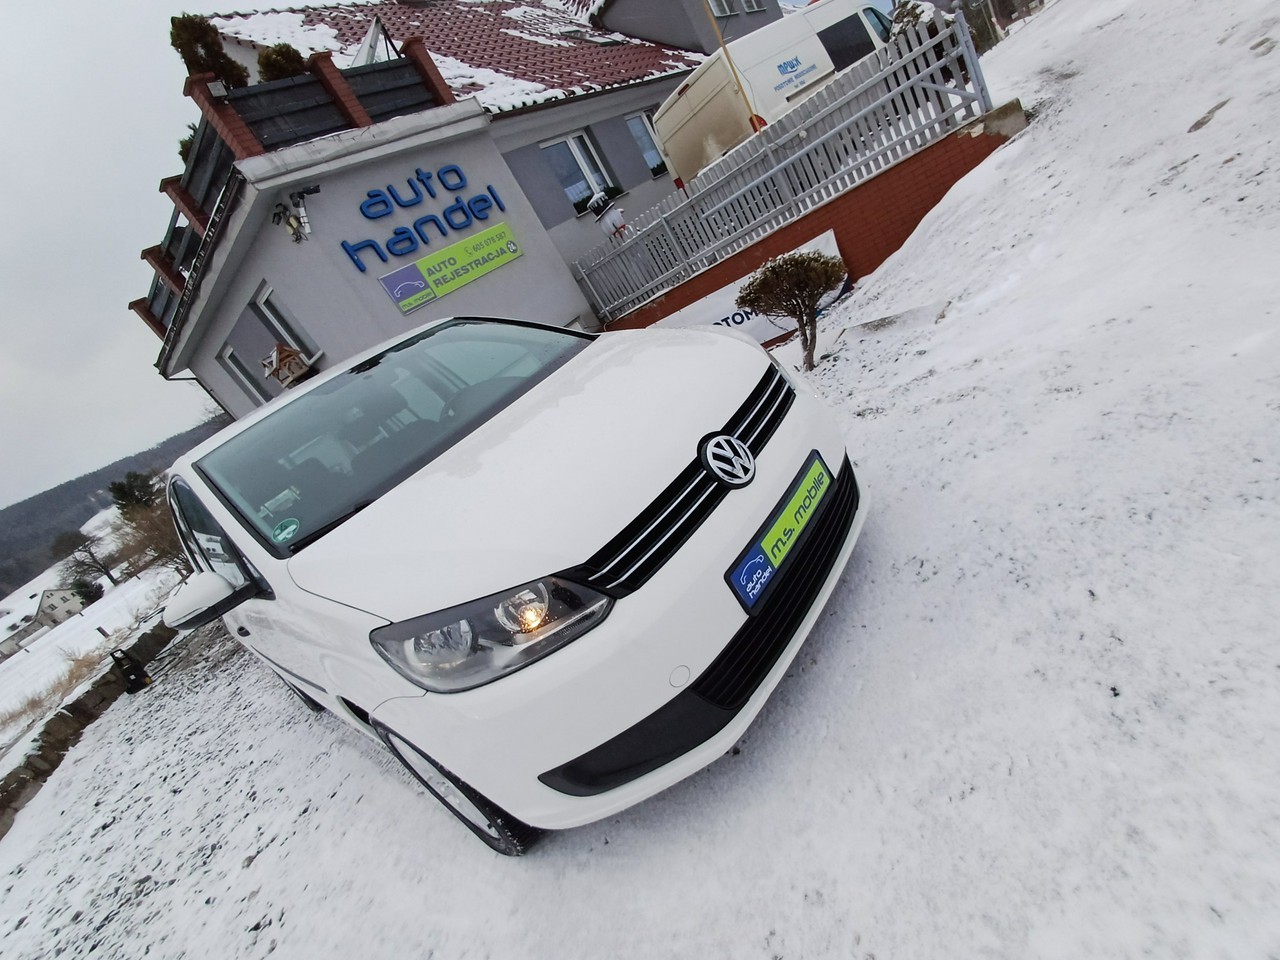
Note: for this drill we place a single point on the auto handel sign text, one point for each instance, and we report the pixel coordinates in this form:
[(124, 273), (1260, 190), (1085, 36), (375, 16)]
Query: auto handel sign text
[(448, 268)]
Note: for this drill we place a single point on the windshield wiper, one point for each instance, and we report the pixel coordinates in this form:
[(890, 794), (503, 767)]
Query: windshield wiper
[(321, 531)]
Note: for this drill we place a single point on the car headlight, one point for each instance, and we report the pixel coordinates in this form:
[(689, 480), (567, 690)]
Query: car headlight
[(480, 641)]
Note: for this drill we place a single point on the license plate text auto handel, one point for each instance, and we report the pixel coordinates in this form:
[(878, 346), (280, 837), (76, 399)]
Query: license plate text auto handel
[(763, 559)]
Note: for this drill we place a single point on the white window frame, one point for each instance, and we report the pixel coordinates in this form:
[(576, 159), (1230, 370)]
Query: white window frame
[(230, 361), (646, 117), (575, 140), (752, 6), (721, 8), (280, 326)]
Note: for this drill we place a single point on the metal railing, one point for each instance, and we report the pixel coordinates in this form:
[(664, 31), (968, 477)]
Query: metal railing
[(915, 91)]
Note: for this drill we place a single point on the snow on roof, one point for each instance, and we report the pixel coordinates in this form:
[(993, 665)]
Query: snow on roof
[(507, 54), (286, 27), (582, 10)]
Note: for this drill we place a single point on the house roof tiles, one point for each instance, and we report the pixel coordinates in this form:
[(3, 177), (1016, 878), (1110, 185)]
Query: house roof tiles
[(507, 53)]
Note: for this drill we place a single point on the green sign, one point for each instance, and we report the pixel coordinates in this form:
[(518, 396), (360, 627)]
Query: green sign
[(794, 517), (761, 560), (451, 267)]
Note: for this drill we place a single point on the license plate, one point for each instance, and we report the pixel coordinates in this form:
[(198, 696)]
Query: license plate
[(765, 557)]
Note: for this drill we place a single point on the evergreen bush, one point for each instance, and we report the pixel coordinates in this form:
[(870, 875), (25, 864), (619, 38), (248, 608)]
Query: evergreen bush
[(279, 62), (793, 285), (200, 46)]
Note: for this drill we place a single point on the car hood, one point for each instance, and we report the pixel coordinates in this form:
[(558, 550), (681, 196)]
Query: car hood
[(544, 484)]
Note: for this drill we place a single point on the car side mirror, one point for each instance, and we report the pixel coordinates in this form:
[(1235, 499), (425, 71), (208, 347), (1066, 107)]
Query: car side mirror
[(203, 598)]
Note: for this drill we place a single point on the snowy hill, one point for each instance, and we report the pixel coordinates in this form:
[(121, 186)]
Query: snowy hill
[(1040, 717)]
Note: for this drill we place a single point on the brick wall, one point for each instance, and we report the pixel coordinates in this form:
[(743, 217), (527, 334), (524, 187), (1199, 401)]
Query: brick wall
[(870, 221)]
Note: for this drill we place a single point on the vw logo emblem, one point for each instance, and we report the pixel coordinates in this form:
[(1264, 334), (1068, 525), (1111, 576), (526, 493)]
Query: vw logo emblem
[(728, 460)]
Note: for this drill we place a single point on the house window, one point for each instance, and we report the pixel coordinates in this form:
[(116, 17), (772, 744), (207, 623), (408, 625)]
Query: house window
[(721, 8), (641, 127), (752, 6), (578, 169), (243, 374), (268, 309)]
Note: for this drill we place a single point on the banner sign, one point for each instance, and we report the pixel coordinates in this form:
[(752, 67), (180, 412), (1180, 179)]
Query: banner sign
[(440, 273), (719, 308)]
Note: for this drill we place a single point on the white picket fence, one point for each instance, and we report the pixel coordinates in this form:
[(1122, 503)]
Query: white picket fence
[(905, 97)]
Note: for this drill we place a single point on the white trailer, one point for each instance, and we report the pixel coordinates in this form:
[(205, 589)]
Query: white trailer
[(724, 101)]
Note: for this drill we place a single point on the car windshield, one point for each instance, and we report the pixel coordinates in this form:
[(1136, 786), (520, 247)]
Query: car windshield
[(318, 460)]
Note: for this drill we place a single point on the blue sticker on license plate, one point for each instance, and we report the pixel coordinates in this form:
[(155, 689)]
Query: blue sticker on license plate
[(764, 557)]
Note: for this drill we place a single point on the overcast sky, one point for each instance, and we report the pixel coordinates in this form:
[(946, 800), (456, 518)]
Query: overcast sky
[(92, 112)]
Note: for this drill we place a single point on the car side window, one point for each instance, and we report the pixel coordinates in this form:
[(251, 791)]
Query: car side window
[(206, 543)]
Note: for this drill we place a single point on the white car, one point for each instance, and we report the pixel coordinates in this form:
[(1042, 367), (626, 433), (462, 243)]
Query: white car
[(554, 573)]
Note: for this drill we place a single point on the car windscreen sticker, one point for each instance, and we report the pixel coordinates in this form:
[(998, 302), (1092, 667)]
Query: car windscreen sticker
[(765, 556), (285, 530)]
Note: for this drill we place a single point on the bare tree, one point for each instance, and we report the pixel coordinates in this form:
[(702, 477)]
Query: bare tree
[(84, 556), (148, 538)]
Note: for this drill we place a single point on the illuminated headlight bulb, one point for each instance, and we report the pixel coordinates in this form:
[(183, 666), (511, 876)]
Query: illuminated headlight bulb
[(532, 616), (525, 612)]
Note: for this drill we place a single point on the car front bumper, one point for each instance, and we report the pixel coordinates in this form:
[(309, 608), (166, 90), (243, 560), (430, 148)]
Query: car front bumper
[(671, 679)]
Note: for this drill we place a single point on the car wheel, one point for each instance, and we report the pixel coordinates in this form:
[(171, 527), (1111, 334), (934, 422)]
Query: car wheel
[(499, 829)]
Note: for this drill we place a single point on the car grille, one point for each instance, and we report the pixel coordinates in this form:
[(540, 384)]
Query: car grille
[(627, 561), (734, 675), (706, 707)]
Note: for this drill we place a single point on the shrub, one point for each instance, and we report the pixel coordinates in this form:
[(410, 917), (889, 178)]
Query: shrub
[(184, 145), (793, 285), (87, 590), (984, 31), (200, 46), (280, 62)]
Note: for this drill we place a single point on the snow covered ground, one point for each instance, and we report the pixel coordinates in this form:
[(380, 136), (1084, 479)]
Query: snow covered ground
[(100, 628), (1040, 717), (97, 630)]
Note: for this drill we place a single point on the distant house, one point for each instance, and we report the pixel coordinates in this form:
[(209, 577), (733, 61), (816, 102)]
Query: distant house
[(58, 605), (53, 607), (321, 214)]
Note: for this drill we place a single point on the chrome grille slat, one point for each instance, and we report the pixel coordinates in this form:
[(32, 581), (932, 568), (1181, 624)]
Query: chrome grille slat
[(736, 429), (650, 540), (621, 557), (667, 536), (783, 397)]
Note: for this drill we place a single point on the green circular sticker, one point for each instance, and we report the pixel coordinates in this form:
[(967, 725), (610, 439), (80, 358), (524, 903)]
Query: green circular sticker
[(285, 530)]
